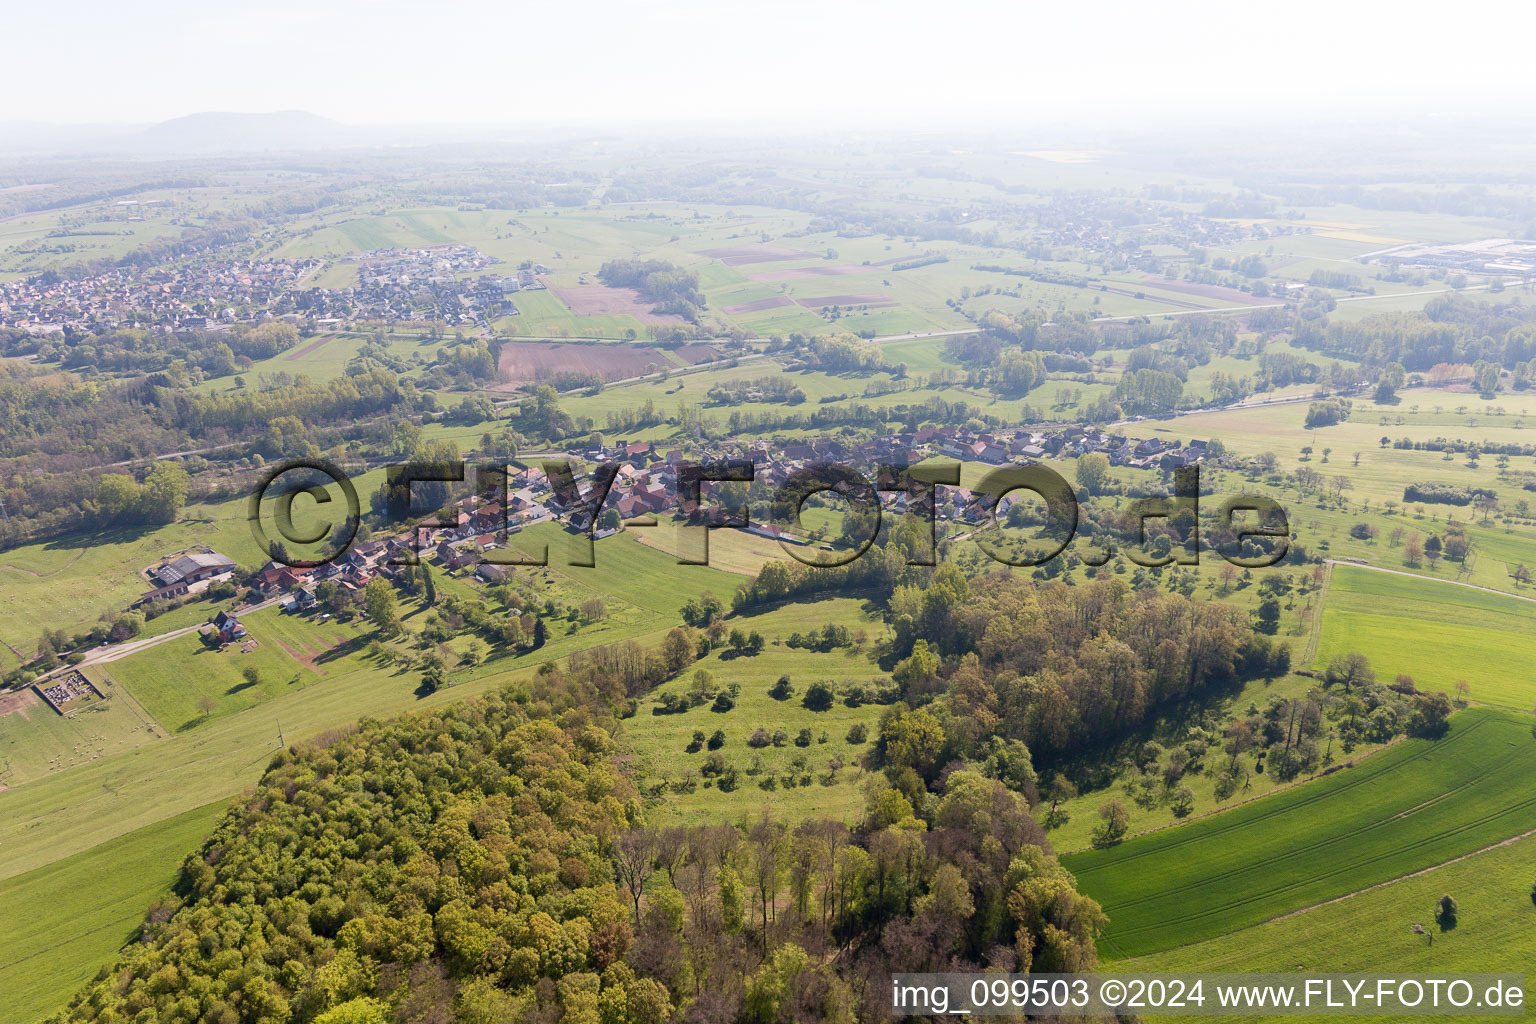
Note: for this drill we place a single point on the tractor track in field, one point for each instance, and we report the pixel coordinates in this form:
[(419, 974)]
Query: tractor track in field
[(1412, 874)]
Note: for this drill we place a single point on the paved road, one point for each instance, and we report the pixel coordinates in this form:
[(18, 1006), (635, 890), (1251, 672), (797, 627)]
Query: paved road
[(176, 455), (115, 652)]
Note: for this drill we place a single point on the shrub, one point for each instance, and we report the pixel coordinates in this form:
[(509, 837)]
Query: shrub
[(759, 738), (780, 737), (696, 744), (782, 690), (717, 739), (803, 738), (1327, 412), (1444, 494), (858, 733), (714, 765), (819, 697), (723, 702)]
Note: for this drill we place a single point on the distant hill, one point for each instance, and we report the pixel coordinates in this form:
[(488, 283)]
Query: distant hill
[(35, 137), (216, 132)]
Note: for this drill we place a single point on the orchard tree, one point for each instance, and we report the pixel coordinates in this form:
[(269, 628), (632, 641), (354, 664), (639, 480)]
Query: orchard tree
[(1093, 473), (379, 604)]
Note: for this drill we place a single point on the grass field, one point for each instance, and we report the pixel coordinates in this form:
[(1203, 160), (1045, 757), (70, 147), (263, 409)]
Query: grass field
[(1434, 631), (1420, 414), (65, 920), (1372, 931), (135, 784), (70, 582), (171, 680), (109, 823), (656, 742), (1077, 832), (1416, 804), (36, 740)]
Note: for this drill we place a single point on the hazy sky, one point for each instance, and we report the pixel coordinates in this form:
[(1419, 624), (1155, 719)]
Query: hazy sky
[(510, 61)]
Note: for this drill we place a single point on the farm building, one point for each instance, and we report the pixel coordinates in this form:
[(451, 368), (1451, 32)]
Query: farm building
[(178, 575)]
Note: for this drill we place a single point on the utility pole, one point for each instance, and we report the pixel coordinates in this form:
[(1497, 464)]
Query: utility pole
[(279, 722)]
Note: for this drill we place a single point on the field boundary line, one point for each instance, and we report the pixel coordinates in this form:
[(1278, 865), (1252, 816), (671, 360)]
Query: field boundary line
[(1401, 878), (1315, 640)]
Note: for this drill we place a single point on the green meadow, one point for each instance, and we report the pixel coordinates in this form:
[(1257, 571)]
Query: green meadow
[(135, 783), (656, 742), (1373, 930), (1419, 414), (1436, 632), (1415, 804), (173, 680), (64, 920)]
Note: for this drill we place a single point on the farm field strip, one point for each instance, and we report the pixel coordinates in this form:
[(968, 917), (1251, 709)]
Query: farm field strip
[(66, 919), (1414, 805), (1496, 929), (1425, 628)]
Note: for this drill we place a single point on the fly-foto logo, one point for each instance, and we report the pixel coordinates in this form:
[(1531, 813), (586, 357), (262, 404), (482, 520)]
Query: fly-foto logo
[(1018, 515)]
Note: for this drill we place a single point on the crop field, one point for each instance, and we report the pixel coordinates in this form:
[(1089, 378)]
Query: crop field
[(657, 741), (1416, 804), (905, 245), (541, 314), (65, 920), (598, 300), (522, 362), (733, 551), (1434, 631), (1495, 929)]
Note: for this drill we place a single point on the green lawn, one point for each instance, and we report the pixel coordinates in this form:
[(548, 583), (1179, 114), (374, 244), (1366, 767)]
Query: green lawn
[(65, 920), (1415, 804), (1372, 932), (173, 679), (1434, 631)]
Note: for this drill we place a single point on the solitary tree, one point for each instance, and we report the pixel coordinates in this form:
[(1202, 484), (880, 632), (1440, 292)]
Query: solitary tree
[(1445, 913), (1350, 669), (1060, 790), (1116, 820), (1093, 472)]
